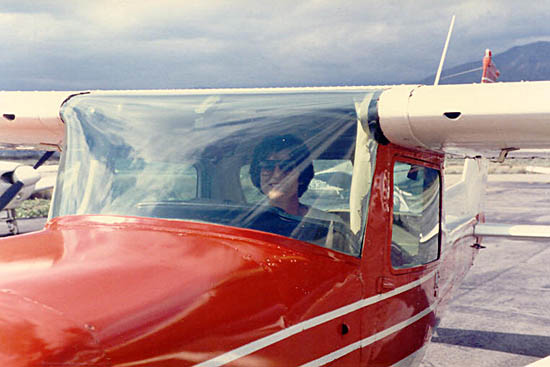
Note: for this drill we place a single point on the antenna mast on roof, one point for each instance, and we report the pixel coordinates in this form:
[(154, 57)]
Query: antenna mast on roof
[(438, 75)]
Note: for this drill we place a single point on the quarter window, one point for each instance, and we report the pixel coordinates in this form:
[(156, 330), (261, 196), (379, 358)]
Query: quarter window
[(415, 229)]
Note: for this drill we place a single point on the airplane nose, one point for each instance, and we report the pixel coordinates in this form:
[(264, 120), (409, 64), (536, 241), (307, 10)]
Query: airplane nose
[(33, 334)]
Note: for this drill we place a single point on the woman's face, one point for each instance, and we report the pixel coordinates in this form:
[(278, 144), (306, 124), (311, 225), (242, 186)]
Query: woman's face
[(278, 177)]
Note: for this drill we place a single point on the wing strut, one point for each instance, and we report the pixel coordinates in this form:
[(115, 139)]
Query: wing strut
[(43, 159), (513, 231)]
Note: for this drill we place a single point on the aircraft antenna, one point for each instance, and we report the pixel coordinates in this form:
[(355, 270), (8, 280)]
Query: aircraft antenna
[(438, 75)]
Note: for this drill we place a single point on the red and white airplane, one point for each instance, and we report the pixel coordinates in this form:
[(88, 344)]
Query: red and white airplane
[(162, 248)]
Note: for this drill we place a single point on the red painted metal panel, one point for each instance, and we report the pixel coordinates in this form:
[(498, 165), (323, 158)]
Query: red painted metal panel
[(153, 289)]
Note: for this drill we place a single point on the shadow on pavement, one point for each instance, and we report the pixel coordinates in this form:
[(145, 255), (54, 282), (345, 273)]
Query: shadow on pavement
[(522, 344)]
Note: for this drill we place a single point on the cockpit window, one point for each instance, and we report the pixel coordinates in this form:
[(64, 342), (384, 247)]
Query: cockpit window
[(415, 229), (295, 164)]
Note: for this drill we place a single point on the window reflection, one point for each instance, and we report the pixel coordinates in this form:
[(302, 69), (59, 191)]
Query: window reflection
[(415, 229), (188, 157)]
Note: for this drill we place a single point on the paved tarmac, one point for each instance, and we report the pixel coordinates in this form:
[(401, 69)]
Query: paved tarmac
[(500, 316), (25, 226)]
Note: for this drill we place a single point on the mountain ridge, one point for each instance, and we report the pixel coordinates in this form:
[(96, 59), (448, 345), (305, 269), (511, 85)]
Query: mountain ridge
[(529, 62)]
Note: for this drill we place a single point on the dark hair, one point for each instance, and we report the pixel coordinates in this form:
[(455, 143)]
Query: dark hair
[(298, 153)]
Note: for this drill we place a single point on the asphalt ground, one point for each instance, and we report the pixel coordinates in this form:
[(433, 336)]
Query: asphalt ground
[(500, 316), (25, 226)]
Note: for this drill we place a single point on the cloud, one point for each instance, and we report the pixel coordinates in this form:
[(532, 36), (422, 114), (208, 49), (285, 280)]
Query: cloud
[(178, 44)]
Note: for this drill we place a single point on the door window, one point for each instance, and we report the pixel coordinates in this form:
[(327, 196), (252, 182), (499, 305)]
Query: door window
[(415, 228)]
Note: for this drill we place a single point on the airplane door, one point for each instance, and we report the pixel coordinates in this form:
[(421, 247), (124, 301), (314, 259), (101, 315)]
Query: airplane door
[(406, 280)]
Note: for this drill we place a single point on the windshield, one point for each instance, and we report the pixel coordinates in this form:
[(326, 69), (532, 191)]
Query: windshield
[(296, 164)]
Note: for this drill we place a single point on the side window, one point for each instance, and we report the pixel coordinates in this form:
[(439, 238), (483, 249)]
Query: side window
[(185, 182), (250, 192), (330, 188), (415, 229), (159, 180)]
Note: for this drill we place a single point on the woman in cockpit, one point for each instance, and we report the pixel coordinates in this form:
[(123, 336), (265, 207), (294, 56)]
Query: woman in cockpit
[(282, 170)]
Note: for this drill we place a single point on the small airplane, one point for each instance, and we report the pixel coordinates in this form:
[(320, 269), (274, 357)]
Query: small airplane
[(164, 247), (33, 180)]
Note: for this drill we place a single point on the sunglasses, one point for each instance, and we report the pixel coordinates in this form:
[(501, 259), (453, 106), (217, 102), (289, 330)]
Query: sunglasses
[(284, 165)]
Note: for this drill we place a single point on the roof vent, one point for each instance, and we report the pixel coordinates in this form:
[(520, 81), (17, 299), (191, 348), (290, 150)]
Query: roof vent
[(452, 115)]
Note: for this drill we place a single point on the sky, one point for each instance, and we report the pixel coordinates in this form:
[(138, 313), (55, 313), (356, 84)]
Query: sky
[(165, 44)]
